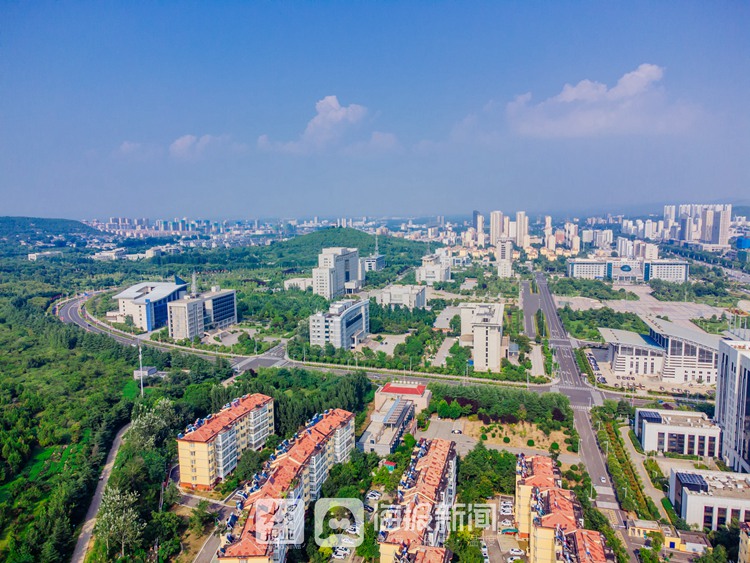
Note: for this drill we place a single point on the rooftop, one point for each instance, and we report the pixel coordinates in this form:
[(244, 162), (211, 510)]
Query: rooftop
[(207, 428), (537, 471), (716, 483), (676, 418), (673, 330), (589, 546), (628, 338), (151, 291), (403, 388)]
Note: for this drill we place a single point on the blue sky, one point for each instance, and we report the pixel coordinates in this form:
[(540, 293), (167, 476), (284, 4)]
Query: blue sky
[(247, 109)]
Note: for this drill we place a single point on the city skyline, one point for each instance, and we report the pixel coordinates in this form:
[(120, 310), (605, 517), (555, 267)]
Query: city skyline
[(324, 109)]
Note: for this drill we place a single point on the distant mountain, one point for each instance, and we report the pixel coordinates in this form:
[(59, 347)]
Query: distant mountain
[(24, 234)]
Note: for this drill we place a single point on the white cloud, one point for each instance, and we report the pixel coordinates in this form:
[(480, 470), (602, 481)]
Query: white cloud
[(190, 146), (331, 122), (635, 105)]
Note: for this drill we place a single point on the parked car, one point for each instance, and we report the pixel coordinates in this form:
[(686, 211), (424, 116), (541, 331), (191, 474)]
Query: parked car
[(513, 558), (602, 479), (506, 523), (338, 555), (347, 540), (352, 530), (369, 508), (516, 551), (456, 431)]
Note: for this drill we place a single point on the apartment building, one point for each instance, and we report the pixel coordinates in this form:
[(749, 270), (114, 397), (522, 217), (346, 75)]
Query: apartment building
[(482, 329), (555, 514), (733, 403), (679, 432), (208, 450), (504, 255), (338, 272), (295, 473), (709, 499), (433, 269), (538, 473), (146, 303), (425, 494), (344, 325), (409, 296)]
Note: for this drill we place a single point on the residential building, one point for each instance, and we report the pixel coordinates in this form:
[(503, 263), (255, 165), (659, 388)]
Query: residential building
[(417, 393), (733, 403), (338, 272), (482, 329), (743, 555), (709, 499), (344, 325), (432, 270), (146, 303), (504, 255), (522, 229), (419, 516), (630, 353), (208, 450), (677, 432), (409, 296), (689, 354), (296, 473), (496, 227), (387, 425), (538, 473)]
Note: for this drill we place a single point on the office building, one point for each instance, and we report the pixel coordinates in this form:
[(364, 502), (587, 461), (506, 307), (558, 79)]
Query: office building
[(296, 473), (208, 450), (417, 393), (302, 284), (338, 272), (388, 424), (419, 515), (409, 296), (709, 499), (677, 432), (373, 263), (482, 329), (689, 355), (628, 270), (504, 255), (344, 325), (432, 270), (630, 353), (733, 403), (192, 315), (146, 303)]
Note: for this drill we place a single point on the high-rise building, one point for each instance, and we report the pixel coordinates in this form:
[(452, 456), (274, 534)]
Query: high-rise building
[(496, 227), (670, 214), (522, 229), (483, 324), (504, 255), (192, 315), (475, 218), (338, 271), (481, 236), (733, 403)]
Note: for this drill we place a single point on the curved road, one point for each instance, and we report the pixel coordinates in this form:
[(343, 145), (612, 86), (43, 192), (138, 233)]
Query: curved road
[(82, 545)]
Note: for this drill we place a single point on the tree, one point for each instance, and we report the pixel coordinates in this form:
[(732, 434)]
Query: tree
[(369, 549), (249, 464), (455, 325), (715, 555), (165, 527), (118, 518), (200, 517)]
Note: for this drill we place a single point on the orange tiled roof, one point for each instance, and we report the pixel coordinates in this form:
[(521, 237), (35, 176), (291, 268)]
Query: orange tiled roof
[(560, 505), (283, 475), (542, 472), (589, 546), (225, 419), (427, 554)]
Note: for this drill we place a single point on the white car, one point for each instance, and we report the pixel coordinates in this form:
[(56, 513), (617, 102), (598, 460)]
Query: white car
[(374, 495), (602, 479), (347, 540), (506, 512), (352, 530), (507, 523), (516, 551), (486, 560), (513, 558), (344, 550), (337, 555)]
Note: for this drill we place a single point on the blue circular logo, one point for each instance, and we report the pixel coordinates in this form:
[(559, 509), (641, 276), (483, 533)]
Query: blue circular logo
[(625, 268)]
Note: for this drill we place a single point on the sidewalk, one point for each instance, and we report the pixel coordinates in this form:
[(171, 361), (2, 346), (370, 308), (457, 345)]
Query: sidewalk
[(637, 459)]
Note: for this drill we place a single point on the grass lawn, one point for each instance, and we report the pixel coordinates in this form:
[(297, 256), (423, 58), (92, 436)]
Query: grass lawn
[(712, 326)]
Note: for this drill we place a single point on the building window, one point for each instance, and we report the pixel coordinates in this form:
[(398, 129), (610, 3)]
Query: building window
[(711, 446), (708, 516), (721, 516)]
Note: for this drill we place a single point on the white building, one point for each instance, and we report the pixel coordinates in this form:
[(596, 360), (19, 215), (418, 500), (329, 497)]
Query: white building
[(482, 329), (345, 324), (733, 403), (409, 296), (522, 229), (631, 353), (303, 284), (504, 255), (373, 263), (496, 227), (709, 499), (587, 269), (675, 271), (689, 355), (677, 432), (628, 270), (192, 315), (432, 270), (146, 302), (338, 271)]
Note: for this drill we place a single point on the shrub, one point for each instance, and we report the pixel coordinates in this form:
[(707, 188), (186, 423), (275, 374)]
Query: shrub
[(506, 440), (554, 446), (530, 443), (484, 436)]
